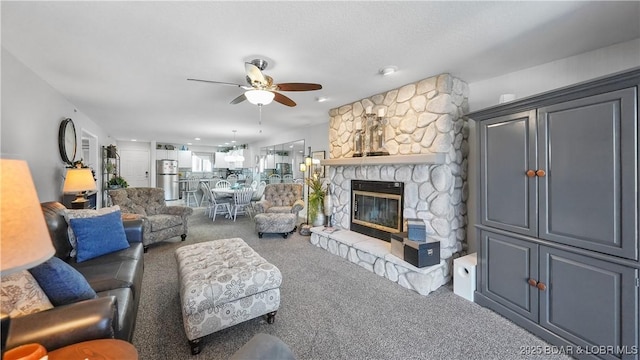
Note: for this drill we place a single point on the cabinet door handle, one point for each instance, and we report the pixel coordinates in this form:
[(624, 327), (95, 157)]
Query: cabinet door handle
[(541, 286), (533, 282), (531, 173), (541, 173)]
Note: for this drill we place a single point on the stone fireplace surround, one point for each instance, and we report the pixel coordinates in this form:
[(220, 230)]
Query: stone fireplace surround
[(426, 137)]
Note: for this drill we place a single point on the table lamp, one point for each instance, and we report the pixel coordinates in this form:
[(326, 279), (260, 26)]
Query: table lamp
[(24, 237), (77, 181)]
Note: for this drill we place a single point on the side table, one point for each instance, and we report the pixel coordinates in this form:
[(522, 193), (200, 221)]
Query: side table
[(102, 349)]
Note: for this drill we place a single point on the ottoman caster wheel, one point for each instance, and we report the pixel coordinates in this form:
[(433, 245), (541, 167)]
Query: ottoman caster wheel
[(271, 317), (183, 236), (195, 346), (285, 235), (260, 235)]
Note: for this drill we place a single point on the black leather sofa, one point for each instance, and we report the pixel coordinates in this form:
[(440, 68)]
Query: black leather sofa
[(116, 279)]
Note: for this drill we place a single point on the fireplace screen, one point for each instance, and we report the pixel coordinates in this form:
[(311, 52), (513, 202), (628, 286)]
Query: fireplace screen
[(376, 208)]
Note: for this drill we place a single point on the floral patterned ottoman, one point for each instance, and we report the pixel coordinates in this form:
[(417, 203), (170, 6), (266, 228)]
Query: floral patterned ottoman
[(284, 223), (223, 283)]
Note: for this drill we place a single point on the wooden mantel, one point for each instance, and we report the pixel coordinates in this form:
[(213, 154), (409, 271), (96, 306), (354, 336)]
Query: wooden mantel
[(426, 159)]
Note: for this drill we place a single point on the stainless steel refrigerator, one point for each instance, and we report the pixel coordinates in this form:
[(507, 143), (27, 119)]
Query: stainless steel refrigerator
[(167, 178)]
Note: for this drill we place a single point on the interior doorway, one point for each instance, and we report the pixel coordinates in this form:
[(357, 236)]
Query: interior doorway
[(91, 158), (134, 167)]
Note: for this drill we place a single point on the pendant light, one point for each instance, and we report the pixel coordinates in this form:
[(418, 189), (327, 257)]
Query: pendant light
[(233, 155)]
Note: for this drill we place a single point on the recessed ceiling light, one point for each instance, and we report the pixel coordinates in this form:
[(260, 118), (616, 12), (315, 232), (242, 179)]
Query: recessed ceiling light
[(189, 144), (197, 139), (321, 99), (134, 140), (388, 70)]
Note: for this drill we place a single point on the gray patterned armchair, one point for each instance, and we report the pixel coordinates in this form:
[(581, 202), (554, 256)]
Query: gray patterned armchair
[(281, 198), (160, 222)]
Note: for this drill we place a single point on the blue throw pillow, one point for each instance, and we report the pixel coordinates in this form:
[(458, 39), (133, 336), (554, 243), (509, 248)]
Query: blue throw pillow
[(99, 235), (62, 283)]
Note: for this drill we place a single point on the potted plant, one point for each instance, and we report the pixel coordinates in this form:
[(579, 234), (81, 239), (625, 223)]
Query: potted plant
[(117, 182), (316, 199)]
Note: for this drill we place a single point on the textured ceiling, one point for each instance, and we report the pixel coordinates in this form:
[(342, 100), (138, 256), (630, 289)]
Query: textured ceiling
[(125, 64)]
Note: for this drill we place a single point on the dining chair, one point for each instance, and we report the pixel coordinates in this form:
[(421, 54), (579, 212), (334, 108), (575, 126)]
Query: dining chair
[(192, 188), (232, 179), (287, 178), (298, 181), (257, 196), (242, 201), (223, 184), (274, 179), (216, 206)]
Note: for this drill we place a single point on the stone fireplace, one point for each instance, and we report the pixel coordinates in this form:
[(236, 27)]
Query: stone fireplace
[(426, 137)]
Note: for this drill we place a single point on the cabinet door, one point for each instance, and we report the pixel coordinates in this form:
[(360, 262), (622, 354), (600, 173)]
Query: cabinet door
[(507, 151), (184, 158), (507, 266), (588, 301), (588, 150)]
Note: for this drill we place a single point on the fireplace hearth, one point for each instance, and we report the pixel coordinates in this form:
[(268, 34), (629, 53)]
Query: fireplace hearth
[(376, 208)]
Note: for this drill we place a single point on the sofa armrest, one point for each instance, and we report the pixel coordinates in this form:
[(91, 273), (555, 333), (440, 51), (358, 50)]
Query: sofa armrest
[(183, 211), (297, 206), (262, 206), (133, 229), (67, 324)]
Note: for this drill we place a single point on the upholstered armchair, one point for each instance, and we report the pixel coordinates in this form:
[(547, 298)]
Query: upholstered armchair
[(160, 222), (281, 198)]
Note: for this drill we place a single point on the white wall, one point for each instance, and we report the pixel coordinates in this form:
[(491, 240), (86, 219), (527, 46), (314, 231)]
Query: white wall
[(555, 74), (31, 114)]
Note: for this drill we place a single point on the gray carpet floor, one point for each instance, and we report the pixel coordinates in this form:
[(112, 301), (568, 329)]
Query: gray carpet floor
[(330, 308)]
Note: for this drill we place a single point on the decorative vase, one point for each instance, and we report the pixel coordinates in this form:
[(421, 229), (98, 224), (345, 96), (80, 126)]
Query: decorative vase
[(328, 206), (319, 219)]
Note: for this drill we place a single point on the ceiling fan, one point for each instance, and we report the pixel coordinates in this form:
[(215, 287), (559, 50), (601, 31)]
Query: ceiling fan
[(260, 89)]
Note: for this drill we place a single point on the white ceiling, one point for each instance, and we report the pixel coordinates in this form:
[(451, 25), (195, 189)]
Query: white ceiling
[(125, 64)]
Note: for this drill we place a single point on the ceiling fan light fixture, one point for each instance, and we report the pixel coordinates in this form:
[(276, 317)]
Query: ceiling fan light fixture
[(259, 97)]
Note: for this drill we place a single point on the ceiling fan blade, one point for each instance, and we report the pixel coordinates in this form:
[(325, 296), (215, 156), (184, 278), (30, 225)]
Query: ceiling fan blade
[(283, 100), (219, 82), (298, 87), (239, 99), (254, 74)]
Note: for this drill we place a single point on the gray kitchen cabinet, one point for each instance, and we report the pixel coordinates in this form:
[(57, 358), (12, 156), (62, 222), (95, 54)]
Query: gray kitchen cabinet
[(558, 228)]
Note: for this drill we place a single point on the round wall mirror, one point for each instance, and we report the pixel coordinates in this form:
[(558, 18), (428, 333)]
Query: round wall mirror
[(67, 141)]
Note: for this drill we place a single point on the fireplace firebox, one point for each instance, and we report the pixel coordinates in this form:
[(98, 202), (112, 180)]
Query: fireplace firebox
[(376, 208)]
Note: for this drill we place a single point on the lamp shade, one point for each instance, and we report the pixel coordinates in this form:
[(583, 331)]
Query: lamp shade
[(24, 236), (79, 180), (259, 97)]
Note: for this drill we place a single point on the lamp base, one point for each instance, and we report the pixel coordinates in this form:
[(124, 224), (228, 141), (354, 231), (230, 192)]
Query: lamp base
[(80, 202), (305, 230)]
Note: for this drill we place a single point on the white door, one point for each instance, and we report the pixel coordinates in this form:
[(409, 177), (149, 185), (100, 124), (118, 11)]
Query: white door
[(134, 167)]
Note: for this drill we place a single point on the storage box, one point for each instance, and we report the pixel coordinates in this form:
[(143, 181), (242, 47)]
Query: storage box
[(417, 230), (422, 253), (397, 244)]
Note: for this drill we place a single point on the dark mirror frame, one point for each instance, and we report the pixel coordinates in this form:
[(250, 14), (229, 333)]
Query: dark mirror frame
[(66, 136)]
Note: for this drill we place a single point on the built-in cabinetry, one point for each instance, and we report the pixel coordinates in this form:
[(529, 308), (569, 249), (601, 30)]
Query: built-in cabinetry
[(183, 156), (558, 214), (162, 154)]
